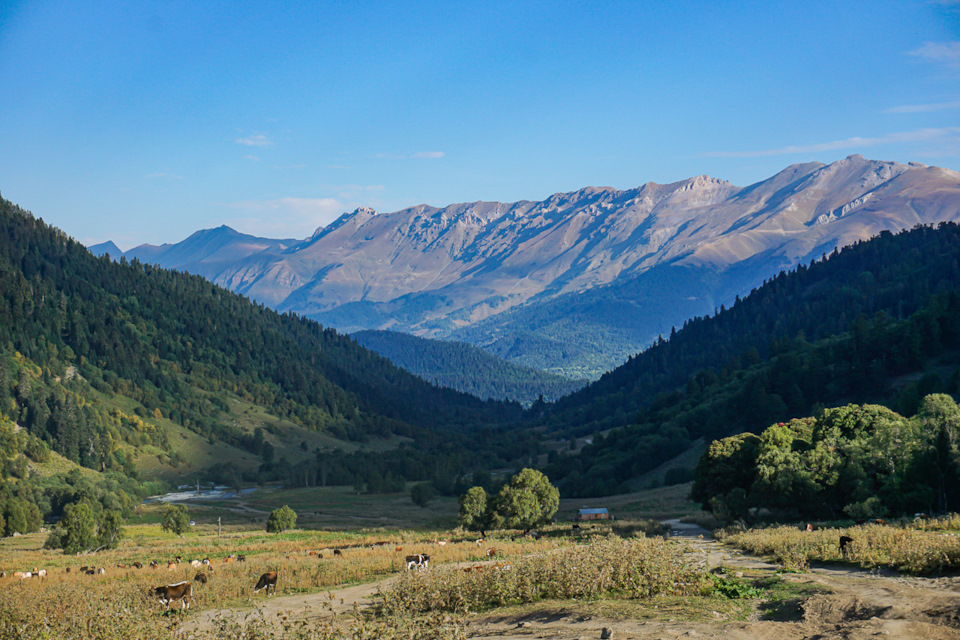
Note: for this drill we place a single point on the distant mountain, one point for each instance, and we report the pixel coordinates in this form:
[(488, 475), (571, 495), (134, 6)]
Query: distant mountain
[(577, 283), (466, 368), (208, 252), (106, 248)]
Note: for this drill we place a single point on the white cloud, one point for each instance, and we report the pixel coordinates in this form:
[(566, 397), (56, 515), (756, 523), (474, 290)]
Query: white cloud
[(250, 156), (946, 54), (284, 217), (923, 108), (255, 140), (921, 135)]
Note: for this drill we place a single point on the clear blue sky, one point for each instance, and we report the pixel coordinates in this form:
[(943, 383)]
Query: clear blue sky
[(145, 121)]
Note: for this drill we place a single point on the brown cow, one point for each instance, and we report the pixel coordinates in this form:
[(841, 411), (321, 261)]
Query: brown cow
[(180, 591), (491, 552), (201, 577), (267, 580)]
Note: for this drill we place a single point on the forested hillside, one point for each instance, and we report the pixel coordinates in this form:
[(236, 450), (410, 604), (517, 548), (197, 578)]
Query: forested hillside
[(466, 368), (852, 328), (94, 355)]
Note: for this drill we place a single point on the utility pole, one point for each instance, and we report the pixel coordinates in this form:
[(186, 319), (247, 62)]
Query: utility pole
[(219, 531)]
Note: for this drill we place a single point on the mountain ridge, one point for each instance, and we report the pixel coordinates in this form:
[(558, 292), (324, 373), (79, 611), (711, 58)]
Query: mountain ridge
[(450, 272)]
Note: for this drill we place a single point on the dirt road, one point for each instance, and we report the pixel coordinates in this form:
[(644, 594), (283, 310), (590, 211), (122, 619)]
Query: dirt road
[(834, 602)]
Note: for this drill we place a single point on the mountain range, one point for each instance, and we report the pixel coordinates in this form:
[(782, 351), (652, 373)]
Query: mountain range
[(578, 282)]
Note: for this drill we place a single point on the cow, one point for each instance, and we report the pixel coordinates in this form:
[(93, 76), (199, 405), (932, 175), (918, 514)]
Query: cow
[(491, 552), (171, 566), (241, 558), (154, 564), (101, 571), (845, 542), (42, 573), (201, 577), (337, 552), (420, 561), (137, 565), (90, 572), (195, 564), (267, 580), (313, 553), (85, 568), (398, 549), (180, 591)]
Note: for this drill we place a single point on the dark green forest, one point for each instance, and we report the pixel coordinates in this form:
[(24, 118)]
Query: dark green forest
[(846, 329), (458, 365), (76, 329)]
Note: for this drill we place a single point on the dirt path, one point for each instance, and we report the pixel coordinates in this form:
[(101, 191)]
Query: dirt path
[(840, 603)]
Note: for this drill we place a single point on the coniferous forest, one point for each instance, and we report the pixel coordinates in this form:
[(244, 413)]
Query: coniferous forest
[(97, 356)]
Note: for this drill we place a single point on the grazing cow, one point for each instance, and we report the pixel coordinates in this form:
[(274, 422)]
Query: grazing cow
[(313, 553), (205, 561), (201, 577), (195, 564), (90, 572), (179, 559), (440, 542), (228, 559), (154, 564), (42, 573), (845, 542), (420, 561), (180, 591), (84, 568), (121, 566), (337, 552), (26, 574), (480, 542), (171, 566), (241, 558), (399, 549), (138, 565), (491, 552), (266, 581), (101, 571)]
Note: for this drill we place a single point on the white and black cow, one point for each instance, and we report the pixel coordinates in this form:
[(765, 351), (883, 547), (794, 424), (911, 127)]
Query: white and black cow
[(420, 561), (266, 581), (180, 591)]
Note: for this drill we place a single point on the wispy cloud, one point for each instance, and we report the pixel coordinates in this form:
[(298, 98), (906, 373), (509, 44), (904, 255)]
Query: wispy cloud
[(255, 140), (284, 217), (250, 156), (923, 108), (943, 53), (921, 135)]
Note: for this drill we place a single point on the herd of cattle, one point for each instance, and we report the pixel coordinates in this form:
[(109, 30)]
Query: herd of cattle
[(182, 590)]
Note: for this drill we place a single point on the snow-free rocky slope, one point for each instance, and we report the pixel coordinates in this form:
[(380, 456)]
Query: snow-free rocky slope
[(579, 281)]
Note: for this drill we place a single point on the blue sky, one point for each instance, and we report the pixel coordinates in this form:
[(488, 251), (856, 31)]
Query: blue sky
[(143, 122)]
